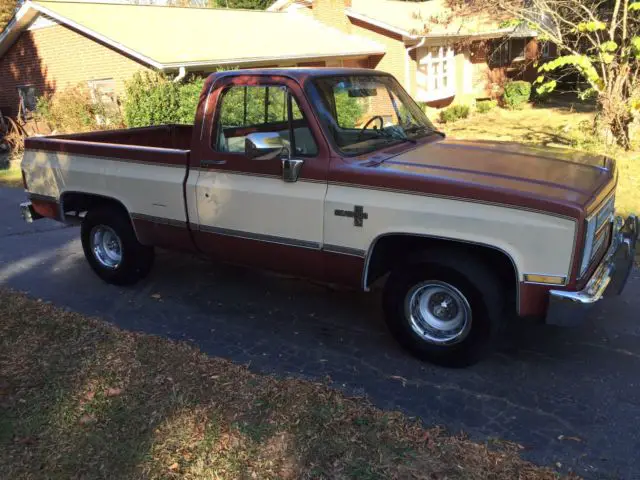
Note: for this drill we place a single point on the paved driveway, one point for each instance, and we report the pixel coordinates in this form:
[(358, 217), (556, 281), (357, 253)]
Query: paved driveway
[(569, 396)]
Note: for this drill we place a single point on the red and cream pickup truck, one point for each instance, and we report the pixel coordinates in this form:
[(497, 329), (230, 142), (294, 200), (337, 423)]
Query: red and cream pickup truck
[(337, 175)]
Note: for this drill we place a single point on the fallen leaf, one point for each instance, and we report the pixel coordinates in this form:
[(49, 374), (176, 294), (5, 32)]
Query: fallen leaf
[(86, 419), (90, 394), (174, 466), (25, 440), (113, 392)]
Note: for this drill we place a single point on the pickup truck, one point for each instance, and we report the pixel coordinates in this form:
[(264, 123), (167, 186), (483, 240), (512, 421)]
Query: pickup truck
[(338, 176)]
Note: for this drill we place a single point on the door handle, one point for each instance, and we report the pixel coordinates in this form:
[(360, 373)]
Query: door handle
[(291, 169)]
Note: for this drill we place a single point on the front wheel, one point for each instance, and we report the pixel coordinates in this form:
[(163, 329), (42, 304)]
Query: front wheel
[(112, 249), (447, 309)]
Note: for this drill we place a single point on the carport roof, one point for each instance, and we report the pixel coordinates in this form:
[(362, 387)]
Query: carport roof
[(172, 37)]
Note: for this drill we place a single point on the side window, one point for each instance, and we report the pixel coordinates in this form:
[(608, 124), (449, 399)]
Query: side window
[(248, 109), (28, 99), (103, 95)]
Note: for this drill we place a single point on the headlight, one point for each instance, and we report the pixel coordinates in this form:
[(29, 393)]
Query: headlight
[(597, 233)]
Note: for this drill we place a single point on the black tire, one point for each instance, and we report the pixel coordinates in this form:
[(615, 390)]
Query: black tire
[(481, 290), (137, 259)]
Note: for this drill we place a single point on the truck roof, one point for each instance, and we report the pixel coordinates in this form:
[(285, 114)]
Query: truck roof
[(300, 73)]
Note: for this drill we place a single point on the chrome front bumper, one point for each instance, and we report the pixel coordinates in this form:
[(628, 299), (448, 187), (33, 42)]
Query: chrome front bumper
[(568, 308), (28, 213)]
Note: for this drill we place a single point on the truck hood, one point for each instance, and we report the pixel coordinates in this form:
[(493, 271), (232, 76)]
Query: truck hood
[(514, 173)]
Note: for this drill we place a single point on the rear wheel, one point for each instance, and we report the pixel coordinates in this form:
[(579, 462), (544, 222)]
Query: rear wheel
[(447, 309), (112, 249)]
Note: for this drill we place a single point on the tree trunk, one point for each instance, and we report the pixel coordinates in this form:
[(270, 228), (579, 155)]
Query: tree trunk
[(614, 120)]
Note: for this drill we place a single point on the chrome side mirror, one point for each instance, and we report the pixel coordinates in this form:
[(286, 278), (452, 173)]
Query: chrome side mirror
[(264, 146)]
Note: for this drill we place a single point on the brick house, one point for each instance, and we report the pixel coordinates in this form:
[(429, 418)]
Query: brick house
[(50, 45)]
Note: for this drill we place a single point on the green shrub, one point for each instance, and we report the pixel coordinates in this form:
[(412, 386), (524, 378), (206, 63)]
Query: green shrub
[(153, 99), (349, 109), (456, 112), (74, 110), (516, 94), (484, 106)]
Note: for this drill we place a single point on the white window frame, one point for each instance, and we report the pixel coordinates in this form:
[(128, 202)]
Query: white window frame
[(439, 83), (545, 49), (23, 105)]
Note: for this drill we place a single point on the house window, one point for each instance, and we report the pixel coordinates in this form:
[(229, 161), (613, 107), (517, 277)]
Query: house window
[(103, 93), (499, 52), (506, 50), (545, 49), (518, 49), (103, 90), (437, 68), (28, 98)]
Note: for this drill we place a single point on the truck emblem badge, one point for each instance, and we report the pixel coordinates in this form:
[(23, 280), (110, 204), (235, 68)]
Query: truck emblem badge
[(358, 215)]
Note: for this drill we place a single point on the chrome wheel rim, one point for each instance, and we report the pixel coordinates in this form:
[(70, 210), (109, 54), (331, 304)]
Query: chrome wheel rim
[(106, 246), (438, 312)]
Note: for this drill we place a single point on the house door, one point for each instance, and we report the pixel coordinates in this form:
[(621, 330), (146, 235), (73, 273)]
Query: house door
[(247, 212)]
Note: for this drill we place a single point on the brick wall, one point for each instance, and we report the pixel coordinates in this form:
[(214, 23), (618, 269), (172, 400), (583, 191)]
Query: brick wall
[(55, 57), (331, 12)]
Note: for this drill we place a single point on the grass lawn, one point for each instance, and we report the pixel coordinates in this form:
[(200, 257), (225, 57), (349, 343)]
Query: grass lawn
[(554, 127), (82, 399), (11, 177)]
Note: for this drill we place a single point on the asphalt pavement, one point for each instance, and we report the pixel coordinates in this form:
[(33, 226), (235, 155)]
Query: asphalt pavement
[(570, 397)]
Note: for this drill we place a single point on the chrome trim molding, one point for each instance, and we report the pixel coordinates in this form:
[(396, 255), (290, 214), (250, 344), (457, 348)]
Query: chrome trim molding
[(159, 220), (354, 252), (290, 242), (584, 267)]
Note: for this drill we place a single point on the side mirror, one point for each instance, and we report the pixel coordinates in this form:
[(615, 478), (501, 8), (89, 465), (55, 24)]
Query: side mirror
[(264, 146)]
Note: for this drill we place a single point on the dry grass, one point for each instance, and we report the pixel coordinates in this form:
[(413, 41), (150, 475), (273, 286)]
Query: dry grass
[(82, 399), (12, 176), (554, 127)]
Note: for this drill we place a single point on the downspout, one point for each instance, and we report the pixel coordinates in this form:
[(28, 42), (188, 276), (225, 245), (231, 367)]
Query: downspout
[(407, 63), (182, 72)]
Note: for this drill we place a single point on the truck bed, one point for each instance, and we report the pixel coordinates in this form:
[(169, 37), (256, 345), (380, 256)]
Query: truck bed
[(145, 169)]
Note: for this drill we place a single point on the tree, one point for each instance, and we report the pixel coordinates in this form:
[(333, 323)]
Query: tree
[(7, 10), (597, 39)]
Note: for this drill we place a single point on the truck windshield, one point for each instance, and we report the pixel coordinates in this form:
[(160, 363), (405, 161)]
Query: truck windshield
[(364, 113)]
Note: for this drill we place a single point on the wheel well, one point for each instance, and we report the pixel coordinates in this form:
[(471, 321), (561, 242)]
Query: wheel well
[(79, 203), (389, 251)]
